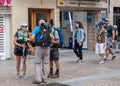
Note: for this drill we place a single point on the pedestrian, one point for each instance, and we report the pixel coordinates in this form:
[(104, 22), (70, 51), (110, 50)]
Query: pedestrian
[(54, 52), (116, 44), (42, 37), (110, 39), (78, 43), (118, 34), (101, 41), (20, 41)]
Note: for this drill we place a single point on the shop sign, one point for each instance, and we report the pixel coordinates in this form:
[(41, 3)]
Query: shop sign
[(61, 2), (5, 1), (89, 17), (78, 3)]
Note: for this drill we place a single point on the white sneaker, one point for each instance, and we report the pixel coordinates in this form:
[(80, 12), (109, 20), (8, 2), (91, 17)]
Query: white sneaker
[(101, 62), (17, 76), (79, 61), (25, 76)]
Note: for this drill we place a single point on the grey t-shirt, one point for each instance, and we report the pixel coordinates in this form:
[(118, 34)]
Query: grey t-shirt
[(55, 34), (109, 29)]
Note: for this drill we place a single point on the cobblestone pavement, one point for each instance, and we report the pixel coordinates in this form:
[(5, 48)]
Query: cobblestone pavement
[(88, 73)]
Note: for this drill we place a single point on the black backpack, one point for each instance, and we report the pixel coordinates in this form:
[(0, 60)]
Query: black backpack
[(43, 38)]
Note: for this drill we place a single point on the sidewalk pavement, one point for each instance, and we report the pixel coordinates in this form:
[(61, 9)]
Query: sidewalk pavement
[(88, 73)]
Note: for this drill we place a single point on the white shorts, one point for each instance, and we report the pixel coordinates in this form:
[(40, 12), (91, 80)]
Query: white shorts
[(100, 48)]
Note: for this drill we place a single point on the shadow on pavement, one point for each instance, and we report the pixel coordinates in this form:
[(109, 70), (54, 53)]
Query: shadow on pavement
[(54, 84)]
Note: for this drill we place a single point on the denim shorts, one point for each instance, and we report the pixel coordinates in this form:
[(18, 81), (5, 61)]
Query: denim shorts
[(54, 54), (109, 42)]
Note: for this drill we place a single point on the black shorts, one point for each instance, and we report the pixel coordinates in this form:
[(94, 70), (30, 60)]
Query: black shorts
[(18, 51), (54, 54)]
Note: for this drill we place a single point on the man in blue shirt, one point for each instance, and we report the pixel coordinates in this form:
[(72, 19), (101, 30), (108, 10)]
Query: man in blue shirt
[(41, 56)]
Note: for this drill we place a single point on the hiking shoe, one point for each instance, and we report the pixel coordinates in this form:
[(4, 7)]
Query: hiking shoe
[(50, 75), (17, 76), (56, 75), (101, 62), (105, 59), (44, 81), (113, 57), (36, 82), (117, 52)]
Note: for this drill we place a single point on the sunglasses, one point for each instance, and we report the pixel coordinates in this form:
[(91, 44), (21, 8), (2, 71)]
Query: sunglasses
[(24, 26)]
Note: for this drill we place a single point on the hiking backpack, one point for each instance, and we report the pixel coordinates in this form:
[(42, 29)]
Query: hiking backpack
[(61, 37), (21, 38), (43, 38)]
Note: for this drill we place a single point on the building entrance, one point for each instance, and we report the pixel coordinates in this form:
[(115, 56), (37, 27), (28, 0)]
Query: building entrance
[(35, 15)]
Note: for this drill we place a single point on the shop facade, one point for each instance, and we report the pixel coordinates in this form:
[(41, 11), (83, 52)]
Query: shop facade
[(114, 11), (86, 11), (29, 11), (23, 11)]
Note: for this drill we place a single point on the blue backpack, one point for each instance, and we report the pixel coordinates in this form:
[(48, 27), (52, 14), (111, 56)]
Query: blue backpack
[(61, 37)]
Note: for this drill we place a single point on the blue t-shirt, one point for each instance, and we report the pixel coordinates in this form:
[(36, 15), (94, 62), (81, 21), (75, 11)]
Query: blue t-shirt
[(36, 31)]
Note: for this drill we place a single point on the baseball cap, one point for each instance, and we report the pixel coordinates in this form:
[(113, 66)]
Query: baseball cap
[(101, 23), (106, 19), (23, 25), (41, 20)]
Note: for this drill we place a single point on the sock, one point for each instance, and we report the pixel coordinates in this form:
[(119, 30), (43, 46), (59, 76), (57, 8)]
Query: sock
[(51, 69), (57, 71)]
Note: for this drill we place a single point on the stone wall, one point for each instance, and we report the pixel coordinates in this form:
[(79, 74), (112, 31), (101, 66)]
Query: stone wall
[(92, 31)]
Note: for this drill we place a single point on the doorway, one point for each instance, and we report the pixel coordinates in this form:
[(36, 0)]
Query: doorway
[(34, 15)]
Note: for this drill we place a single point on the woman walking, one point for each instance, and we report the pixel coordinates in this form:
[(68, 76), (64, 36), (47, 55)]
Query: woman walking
[(79, 38)]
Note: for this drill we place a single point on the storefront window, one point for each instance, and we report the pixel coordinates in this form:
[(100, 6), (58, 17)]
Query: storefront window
[(89, 17), (66, 15)]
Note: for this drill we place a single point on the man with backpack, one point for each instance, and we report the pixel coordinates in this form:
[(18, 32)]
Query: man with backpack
[(54, 53), (110, 39), (42, 37)]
